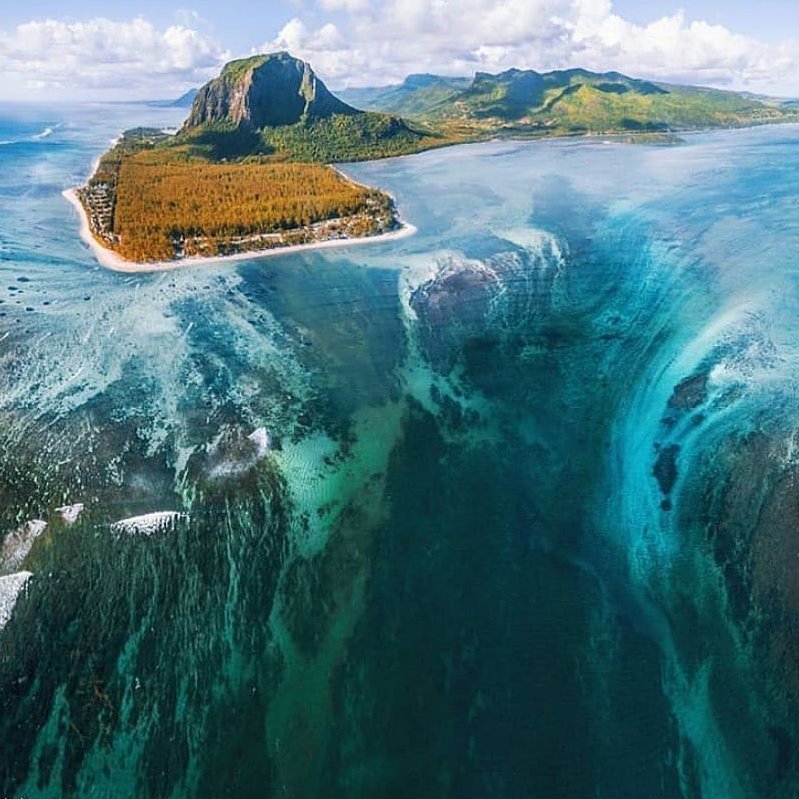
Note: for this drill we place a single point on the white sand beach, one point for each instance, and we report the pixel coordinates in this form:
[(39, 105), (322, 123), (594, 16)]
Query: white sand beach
[(111, 260)]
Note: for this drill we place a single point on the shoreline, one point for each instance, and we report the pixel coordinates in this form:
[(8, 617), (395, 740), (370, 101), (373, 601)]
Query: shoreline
[(111, 260)]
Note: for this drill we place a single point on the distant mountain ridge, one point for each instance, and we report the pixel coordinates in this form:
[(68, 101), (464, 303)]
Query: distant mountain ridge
[(417, 95), (564, 101), (185, 100)]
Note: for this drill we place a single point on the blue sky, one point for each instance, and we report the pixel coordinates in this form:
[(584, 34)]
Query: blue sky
[(97, 50)]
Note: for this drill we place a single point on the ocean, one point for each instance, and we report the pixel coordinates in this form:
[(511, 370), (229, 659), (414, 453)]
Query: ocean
[(505, 509)]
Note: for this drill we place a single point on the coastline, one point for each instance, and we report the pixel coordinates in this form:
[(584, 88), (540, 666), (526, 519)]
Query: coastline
[(108, 259)]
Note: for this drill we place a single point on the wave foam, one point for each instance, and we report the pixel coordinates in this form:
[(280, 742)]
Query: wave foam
[(70, 513), (544, 247), (233, 454), (10, 588), (262, 441), (18, 543), (149, 523)]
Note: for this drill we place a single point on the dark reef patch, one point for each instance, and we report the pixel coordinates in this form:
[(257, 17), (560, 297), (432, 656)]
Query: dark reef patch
[(665, 468), (690, 393)]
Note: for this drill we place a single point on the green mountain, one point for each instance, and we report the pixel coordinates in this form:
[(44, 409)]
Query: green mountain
[(416, 96), (275, 105), (264, 91), (185, 100), (567, 101)]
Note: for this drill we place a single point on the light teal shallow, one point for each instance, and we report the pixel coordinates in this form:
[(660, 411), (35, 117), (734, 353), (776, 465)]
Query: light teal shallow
[(504, 509)]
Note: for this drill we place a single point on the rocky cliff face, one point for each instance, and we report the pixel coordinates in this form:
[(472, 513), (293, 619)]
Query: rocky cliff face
[(264, 91)]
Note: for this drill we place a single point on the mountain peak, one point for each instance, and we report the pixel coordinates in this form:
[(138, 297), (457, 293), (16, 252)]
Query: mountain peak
[(267, 90), (420, 80)]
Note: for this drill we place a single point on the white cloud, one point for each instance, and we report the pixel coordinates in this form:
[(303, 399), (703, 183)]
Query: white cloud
[(130, 58), (384, 40), (188, 17), (672, 46), (345, 5), (362, 42)]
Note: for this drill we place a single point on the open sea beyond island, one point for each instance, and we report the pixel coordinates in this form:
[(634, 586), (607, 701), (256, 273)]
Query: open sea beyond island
[(504, 509)]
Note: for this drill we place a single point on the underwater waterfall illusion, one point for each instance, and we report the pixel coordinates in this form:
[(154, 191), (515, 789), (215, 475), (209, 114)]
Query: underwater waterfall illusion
[(506, 509)]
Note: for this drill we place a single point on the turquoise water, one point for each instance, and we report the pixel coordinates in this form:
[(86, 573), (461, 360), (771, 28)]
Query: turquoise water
[(506, 509)]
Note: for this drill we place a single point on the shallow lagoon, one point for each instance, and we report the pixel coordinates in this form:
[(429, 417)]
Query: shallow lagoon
[(503, 509)]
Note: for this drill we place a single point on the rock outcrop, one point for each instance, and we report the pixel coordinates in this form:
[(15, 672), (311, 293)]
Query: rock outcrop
[(264, 91)]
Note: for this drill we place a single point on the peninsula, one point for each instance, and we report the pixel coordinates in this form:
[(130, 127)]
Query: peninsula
[(247, 173), (250, 169)]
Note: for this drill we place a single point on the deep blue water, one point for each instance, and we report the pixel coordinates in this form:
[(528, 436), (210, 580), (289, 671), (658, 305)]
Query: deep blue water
[(506, 509)]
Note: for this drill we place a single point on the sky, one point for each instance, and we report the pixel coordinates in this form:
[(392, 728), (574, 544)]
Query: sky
[(152, 49)]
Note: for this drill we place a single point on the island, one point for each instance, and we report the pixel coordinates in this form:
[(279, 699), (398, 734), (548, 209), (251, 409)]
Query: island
[(250, 171)]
